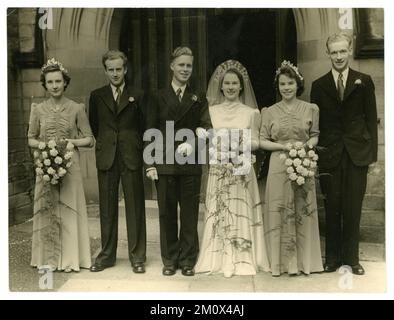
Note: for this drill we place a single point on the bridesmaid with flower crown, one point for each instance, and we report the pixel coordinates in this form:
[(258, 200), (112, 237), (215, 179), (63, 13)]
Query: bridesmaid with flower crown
[(60, 225), (290, 215)]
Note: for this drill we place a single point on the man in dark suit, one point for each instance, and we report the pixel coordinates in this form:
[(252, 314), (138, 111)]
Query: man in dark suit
[(116, 118), (179, 106), (348, 145)]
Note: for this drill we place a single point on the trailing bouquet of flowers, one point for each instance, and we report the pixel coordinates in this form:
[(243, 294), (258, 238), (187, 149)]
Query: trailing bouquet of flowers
[(231, 149), (301, 162), (53, 160)]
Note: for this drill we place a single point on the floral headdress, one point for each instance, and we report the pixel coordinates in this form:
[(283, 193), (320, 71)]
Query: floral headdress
[(288, 64), (228, 65), (54, 63)]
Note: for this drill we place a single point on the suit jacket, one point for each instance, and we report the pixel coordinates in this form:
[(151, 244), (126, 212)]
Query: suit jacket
[(192, 112), (350, 124), (122, 129)]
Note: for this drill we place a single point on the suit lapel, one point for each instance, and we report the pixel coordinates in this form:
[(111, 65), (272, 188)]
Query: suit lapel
[(186, 103), (108, 98), (329, 86), (171, 103), (350, 86), (124, 99)]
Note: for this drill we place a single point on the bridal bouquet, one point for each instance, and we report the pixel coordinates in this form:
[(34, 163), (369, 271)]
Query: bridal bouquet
[(228, 150), (52, 160), (301, 163)]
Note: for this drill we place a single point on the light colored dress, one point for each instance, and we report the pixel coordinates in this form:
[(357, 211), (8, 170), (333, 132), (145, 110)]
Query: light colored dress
[(290, 215), (233, 239), (60, 225)]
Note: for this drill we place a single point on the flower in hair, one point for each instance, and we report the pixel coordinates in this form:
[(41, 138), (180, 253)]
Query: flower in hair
[(288, 64)]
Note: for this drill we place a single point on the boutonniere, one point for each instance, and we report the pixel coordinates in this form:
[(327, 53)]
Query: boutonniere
[(131, 99), (358, 82), (194, 98)]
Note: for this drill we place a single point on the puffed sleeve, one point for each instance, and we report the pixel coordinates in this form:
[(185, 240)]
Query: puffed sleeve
[(82, 122), (314, 130), (255, 128), (34, 122), (265, 130)]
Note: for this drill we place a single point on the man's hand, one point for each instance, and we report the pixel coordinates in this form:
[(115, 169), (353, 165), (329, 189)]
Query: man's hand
[(184, 149), (151, 174), (202, 133)]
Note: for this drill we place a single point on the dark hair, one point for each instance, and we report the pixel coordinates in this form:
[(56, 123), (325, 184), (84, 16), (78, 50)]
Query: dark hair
[(239, 76), (288, 71), (181, 51), (113, 55), (54, 68)]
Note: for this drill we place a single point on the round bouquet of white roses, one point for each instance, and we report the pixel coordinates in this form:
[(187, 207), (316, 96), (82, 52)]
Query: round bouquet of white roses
[(52, 160), (301, 162)]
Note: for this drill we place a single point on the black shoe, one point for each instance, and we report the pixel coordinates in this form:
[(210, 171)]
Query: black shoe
[(97, 267), (169, 270), (330, 267), (188, 271), (138, 267), (358, 269)]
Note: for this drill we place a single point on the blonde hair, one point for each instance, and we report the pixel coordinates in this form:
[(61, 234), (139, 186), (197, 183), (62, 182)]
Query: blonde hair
[(339, 37)]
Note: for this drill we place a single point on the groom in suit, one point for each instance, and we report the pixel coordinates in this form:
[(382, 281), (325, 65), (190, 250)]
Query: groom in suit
[(348, 145), (115, 115), (176, 183)]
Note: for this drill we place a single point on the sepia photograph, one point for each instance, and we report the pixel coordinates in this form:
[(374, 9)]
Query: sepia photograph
[(196, 150)]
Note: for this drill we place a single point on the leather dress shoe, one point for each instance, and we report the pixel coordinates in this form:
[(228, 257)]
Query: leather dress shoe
[(169, 270), (188, 271), (358, 269), (138, 267), (97, 267), (330, 267)]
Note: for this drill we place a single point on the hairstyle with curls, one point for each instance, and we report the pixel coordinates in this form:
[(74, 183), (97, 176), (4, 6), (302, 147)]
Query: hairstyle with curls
[(181, 51), (341, 36), (113, 55), (287, 70), (239, 76), (54, 68)]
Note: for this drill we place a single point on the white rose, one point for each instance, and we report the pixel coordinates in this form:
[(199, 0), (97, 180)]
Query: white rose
[(288, 162), (44, 154), (54, 181), (311, 153), (51, 144), (51, 171), (305, 172), (311, 173), (290, 170), (310, 146), (39, 163), (58, 160), (301, 153), (46, 177), (297, 162), (289, 145), (47, 162), (293, 153), (53, 152), (69, 164), (282, 156), (300, 169), (306, 162), (36, 154), (313, 164), (293, 176), (315, 157), (300, 181), (41, 145), (39, 171)]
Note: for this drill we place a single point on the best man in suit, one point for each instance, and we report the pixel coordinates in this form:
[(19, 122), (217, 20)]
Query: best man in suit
[(115, 115), (348, 145), (178, 183)]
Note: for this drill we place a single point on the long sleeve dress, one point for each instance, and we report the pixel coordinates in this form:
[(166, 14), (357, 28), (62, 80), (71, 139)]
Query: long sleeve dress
[(290, 215), (233, 240), (60, 224)]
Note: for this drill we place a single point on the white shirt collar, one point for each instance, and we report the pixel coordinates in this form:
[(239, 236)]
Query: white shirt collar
[(176, 87), (114, 89), (345, 74)]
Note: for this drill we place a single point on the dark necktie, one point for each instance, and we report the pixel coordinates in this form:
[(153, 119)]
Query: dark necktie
[(178, 94), (341, 88), (118, 95)]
